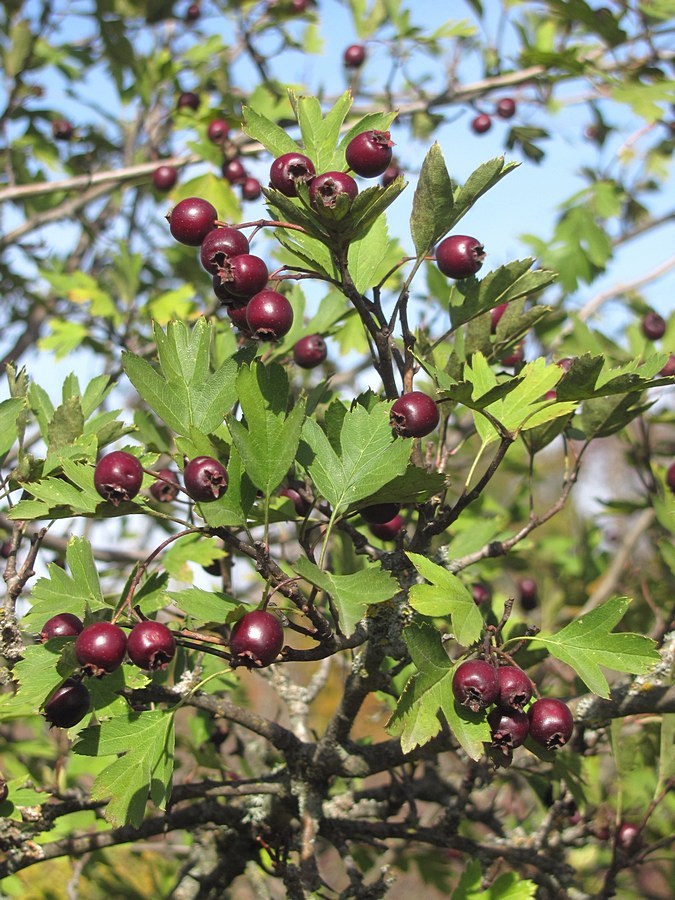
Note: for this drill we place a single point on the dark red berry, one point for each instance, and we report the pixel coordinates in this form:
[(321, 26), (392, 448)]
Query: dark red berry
[(310, 351), (68, 705), (460, 256), (243, 275), (151, 645), (391, 173), (670, 477), (269, 315), (388, 531), (496, 314), (551, 395), (551, 722), (529, 594), (669, 368), (256, 639), (205, 479), (193, 12), (414, 415), (237, 314), (325, 189), (220, 243), (217, 131), (250, 189), (100, 648), (165, 488), (475, 684), (482, 594), (514, 358), (118, 476), (191, 220), (653, 326), (369, 153), (4, 790), (62, 130), (481, 123), (302, 506), (5, 549), (233, 171), (506, 108), (224, 295), (164, 177), (628, 838), (188, 100), (299, 6), (354, 56), (565, 363), (289, 170), (61, 625), (515, 688), (508, 728), (380, 512)]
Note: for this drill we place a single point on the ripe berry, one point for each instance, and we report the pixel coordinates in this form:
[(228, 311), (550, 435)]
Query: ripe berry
[(256, 639), (388, 531), (354, 56), (565, 363), (380, 512), (508, 728), (5, 549), (243, 275), (414, 415), (529, 594), (205, 479), (165, 488), (506, 108), (475, 684), (514, 358), (233, 171), (269, 315), (118, 476), (218, 244), (302, 506), (193, 12), (551, 722), (250, 189), (628, 837), (325, 189), (481, 123), (482, 594), (460, 256), (391, 173), (62, 130), (164, 177), (151, 645), (369, 154), (669, 368), (61, 625), (653, 326), (217, 131), (289, 170), (670, 477), (237, 314), (100, 648), (310, 351), (188, 100), (68, 705), (191, 220), (515, 688), (496, 314)]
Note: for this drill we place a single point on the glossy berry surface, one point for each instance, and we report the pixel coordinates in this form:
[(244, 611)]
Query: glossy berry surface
[(250, 189), (217, 131), (256, 639), (529, 593), (670, 477), (380, 512), (388, 531), (289, 170), (118, 476), (506, 108), (414, 415), (460, 256), (325, 189), (164, 177), (508, 727), (515, 688), (354, 56), (475, 684), (653, 326), (61, 625), (233, 171), (551, 722), (369, 153), (243, 275), (100, 648), (165, 488), (62, 130), (496, 314), (269, 315), (237, 314), (68, 705), (151, 645), (221, 243), (310, 351), (205, 479), (481, 123), (188, 100), (191, 220)]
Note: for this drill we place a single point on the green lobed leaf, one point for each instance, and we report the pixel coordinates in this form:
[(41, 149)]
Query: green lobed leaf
[(37, 673), (446, 596), (433, 202), (169, 402), (204, 606), (507, 886), (273, 138), (370, 257), (9, 412)]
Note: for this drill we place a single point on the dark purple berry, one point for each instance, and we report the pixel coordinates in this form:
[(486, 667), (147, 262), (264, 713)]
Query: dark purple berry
[(165, 488), (5, 549), (221, 243), (226, 297), (62, 130), (243, 275), (481, 123), (369, 153), (188, 100), (205, 479), (354, 56), (460, 256), (164, 177), (670, 477), (508, 728), (514, 358), (414, 415), (237, 315), (191, 220), (388, 531), (61, 625), (475, 684), (515, 688), (68, 705), (217, 131), (233, 171), (529, 594), (496, 314), (100, 648), (506, 108), (551, 723), (289, 170), (256, 639), (391, 173), (653, 326), (482, 594), (565, 363), (310, 351), (193, 12), (151, 645), (669, 368), (380, 512), (628, 838), (118, 477), (325, 189), (250, 189), (269, 315), (302, 506)]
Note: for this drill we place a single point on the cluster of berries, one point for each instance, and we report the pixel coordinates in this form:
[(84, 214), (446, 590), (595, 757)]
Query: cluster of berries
[(505, 109)]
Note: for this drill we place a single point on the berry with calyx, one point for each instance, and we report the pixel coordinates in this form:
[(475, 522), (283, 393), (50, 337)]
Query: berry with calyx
[(514, 358), (217, 131), (506, 108), (118, 476), (369, 153), (250, 189), (354, 56), (100, 648), (496, 314), (628, 837), (414, 415), (653, 326), (508, 728), (188, 100), (164, 177), (205, 479), (256, 639), (289, 170), (669, 368), (269, 315), (165, 488), (391, 173), (388, 531), (151, 645), (243, 275), (325, 189), (670, 477), (380, 512), (61, 625), (551, 722), (481, 123), (220, 243), (193, 12), (475, 684), (226, 298), (515, 688), (460, 256), (191, 220), (62, 130), (481, 593), (233, 171), (310, 351), (529, 594), (68, 705)]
